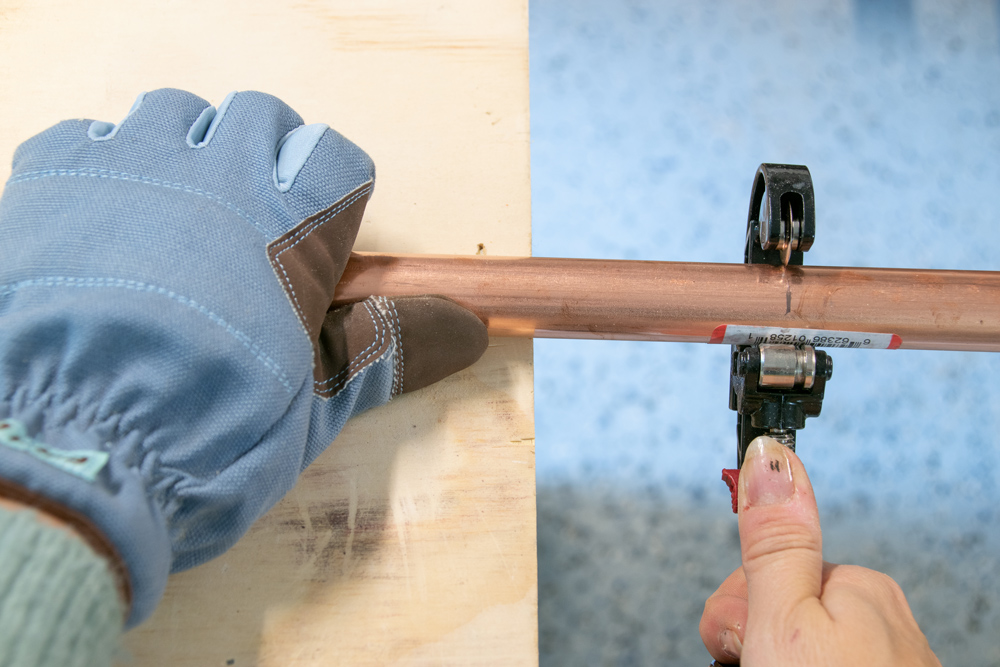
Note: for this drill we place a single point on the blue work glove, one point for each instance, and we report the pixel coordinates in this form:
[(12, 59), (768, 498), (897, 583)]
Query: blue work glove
[(168, 364)]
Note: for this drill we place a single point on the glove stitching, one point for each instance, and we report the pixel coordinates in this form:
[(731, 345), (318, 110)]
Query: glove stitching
[(122, 176), (303, 234), (138, 286), (325, 217), (398, 379), (377, 343), (347, 373), (388, 305), (402, 358)]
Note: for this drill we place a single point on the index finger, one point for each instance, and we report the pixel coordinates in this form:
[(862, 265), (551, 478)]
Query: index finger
[(724, 621)]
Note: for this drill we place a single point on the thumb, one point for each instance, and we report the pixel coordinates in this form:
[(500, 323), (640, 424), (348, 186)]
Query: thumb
[(428, 338), (780, 537), (438, 337)]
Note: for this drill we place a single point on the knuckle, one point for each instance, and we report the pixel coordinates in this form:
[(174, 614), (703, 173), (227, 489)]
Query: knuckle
[(878, 588), (887, 589), (263, 103)]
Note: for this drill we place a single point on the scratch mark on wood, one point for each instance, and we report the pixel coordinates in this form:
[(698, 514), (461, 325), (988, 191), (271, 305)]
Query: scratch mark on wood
[(352, 516), (400, 521), (496, 543)]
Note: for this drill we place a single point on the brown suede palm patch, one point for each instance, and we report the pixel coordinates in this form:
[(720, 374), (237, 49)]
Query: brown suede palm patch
[(309, 260), (353, 338)]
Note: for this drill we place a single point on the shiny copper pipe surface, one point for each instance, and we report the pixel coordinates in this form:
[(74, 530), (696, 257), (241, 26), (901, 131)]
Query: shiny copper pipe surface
[(687, 302)]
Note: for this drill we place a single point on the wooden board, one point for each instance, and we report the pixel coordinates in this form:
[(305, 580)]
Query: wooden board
[(411, 541)]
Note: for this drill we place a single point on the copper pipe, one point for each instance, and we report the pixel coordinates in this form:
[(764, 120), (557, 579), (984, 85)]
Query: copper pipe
[(686, 302)]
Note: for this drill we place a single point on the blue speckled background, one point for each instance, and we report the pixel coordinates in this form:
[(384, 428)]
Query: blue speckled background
[(648, 122)]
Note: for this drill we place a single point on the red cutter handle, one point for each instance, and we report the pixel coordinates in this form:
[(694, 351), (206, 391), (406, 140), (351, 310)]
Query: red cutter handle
[(732, 478)]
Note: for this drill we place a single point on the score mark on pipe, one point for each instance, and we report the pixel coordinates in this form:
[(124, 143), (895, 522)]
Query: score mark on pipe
[(735, 334)]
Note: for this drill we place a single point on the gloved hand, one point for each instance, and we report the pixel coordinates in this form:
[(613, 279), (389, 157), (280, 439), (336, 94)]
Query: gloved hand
[(167, 362)]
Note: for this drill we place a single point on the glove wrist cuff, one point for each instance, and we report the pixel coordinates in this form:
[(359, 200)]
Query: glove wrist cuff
[(111, 509), (87, 531), (57, 597)]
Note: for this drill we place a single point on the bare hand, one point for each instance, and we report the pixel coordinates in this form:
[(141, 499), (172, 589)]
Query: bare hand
[(786, 606)]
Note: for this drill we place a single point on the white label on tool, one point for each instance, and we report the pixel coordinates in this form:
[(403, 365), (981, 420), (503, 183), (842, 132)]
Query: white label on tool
[(735, 334)]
